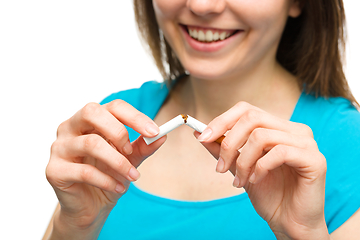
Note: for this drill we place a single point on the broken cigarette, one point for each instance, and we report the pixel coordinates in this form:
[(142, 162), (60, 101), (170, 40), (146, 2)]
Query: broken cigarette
[(166, 128), (177, 122)]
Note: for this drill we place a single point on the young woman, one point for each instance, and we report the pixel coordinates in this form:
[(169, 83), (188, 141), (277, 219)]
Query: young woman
[(266, 74)]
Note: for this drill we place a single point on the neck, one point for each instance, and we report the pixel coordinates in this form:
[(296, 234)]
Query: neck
[(270, 88)]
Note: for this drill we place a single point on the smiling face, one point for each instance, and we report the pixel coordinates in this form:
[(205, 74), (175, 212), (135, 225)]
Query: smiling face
[(223, 38)]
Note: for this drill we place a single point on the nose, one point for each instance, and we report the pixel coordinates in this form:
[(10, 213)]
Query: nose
[(206, 7)]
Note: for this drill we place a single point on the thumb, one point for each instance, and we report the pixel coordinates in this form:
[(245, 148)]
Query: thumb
[(141, 150), (214, 149)]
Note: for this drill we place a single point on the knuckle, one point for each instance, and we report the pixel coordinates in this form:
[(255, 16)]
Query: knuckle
[(115, 104), (51, 172), (92, 141), (311, 143), (107, 184), (258, 135), (61, 128), (305, 130), (225, 145), (119, 133), (121, 165), (240, 165), (260, 166), (251, 115), (321, 163), (90, 110), (55, 147), (86, 173), (242, 104), (280, 151)]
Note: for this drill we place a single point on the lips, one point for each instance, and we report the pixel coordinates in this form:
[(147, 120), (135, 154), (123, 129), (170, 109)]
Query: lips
[(208, 35), (208, 39)]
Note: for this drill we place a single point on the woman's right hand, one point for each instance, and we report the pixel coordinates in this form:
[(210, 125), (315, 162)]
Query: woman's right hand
[(93, 162)]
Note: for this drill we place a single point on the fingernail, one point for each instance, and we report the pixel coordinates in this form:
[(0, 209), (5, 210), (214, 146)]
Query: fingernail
[(205, 135), (127, 149), (152, 129), (252, 178), (119, 188), (134, 174), (220, 165), (236, 181)]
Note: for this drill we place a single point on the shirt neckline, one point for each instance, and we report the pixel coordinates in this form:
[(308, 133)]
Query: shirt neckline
[(207, 203), (182, 203)]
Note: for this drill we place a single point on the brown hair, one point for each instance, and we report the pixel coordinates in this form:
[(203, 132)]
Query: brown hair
[(165, 59), (312, 46)]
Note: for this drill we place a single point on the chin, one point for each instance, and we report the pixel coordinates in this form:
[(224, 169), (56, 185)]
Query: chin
[(207, 72), (201, 74)]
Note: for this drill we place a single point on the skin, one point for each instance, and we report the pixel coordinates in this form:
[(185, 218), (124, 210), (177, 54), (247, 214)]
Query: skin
[(92, 163), (240, 90)]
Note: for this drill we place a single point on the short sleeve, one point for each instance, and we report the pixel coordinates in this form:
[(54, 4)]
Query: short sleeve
[(340, 144), (335, 123)]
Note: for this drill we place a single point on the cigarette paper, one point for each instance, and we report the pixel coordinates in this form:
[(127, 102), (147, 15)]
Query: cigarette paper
[(199, 126), (166, 128), (195, 124), (177, 122)]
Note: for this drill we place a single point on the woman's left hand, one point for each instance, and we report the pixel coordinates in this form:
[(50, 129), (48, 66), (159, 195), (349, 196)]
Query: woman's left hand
[(279, 165)]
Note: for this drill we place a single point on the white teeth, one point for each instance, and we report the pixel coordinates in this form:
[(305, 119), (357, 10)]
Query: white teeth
[(195, 34), (216, 36), (222, 35), (201, 36), (209, 36), (190, 32)]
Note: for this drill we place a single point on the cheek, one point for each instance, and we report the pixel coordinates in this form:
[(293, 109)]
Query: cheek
[(265, 21), (166, 13), (167, 8), (262, 14)]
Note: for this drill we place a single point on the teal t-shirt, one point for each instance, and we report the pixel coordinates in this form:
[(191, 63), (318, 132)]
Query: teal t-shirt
[(141, 215)]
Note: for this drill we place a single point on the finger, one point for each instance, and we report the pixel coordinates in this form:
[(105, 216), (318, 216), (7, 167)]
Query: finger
[(308, 164), (214, 149), (94, 118), (221, 124), (143, 151), (82, 173), (260, 141), (250, 120), (133, 118), (92, 145), (244, 114), (253, 149)]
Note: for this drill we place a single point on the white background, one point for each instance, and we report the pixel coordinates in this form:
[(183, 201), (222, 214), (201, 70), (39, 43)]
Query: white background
[(56, 56)]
